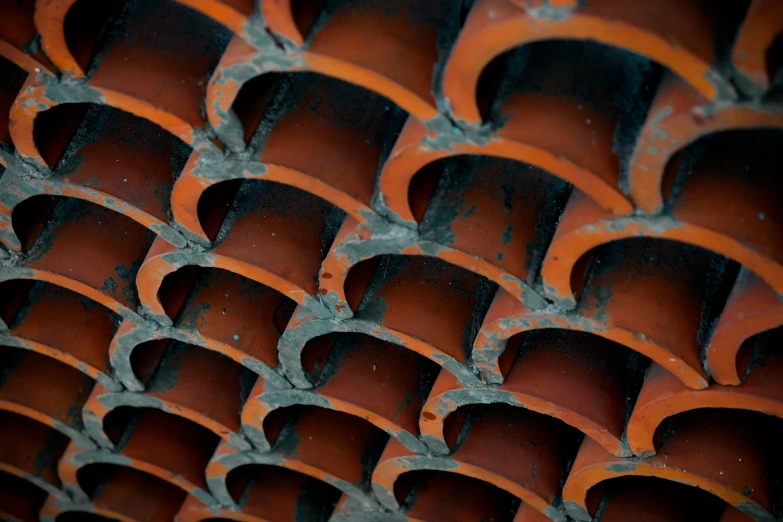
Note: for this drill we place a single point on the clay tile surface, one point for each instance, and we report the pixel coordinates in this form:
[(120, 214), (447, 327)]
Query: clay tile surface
[(391, 261)]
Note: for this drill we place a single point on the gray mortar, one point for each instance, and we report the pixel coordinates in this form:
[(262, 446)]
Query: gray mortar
[(68, 90), (410, 441), (381, 209), (269, 58), (361, 496), (219, 491), (256, 437), (226, 169), (120, 358), (93, 427), (78, 437), (487, 355), (353, 511), (576, 511), (67, 506), (622, 467), (61, 494), (550, 13), (273, 379), (755, 511), (256, 32), (463, 135)]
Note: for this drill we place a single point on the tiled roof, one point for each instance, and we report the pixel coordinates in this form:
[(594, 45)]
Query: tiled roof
[(391, 260)]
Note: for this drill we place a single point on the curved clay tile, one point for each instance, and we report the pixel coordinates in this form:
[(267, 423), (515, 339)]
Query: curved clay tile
[(397, 307), (20, 500), (222, 312), (416, 150), (233, 14), (30, 450), (177, 386), (46, 391), (50, 17), (342, 126), (545, 93), (129, 176), (273, 494), (688, 46), (159, 500), (485, 219), (752, 308), (352, 122), (663, 396), (12, 79), (116, 244), (519, 452), (389, 50), (17, 32), (164, 45), (599, 380), (491, 221), (654, 310), (273, 236), (746, 231), (201, 176), (361, 376), (678, 117), (162, 445), (441, 496), (707, 450), (662, 501), (751, 52), (333, 447), (63, 325)]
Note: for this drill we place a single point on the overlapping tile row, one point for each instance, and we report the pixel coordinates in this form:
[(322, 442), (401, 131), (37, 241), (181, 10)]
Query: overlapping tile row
[(360, 260)]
